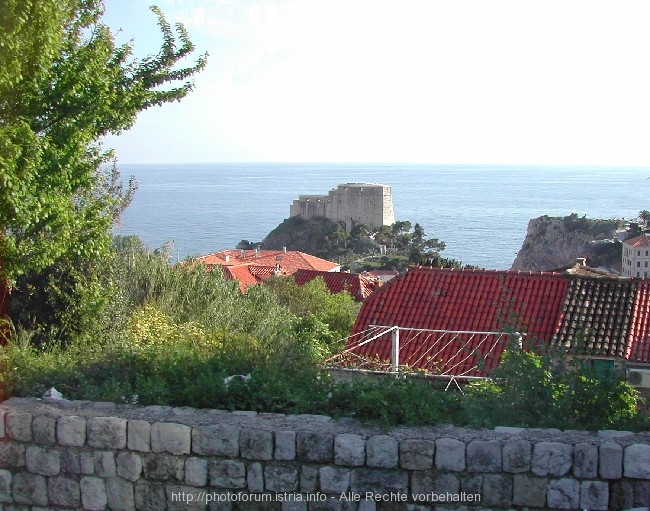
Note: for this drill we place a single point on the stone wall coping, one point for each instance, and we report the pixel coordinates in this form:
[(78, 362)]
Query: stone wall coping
[(311, 423)]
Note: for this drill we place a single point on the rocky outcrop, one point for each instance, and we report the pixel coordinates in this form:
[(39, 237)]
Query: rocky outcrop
[(296, 233), (554, 243)]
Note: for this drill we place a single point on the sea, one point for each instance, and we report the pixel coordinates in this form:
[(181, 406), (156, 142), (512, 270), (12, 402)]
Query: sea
[(481, 212)]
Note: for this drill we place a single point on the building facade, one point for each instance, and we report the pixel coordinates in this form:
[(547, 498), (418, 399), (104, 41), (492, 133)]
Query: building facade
[(636, 257), (368, 204)]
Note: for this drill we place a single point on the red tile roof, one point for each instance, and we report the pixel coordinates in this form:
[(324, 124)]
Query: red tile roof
[(613, 313), (358, 286), (639, 345), (289, 261), (638, 241), (252, 266), (459, 300)]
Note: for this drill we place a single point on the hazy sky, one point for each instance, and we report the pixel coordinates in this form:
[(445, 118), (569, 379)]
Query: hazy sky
[(453, 81)]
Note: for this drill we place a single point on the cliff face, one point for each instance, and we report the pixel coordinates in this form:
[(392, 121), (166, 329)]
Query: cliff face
[(553, 243)]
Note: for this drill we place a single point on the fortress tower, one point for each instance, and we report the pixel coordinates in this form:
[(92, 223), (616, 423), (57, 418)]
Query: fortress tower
[(369, 204)]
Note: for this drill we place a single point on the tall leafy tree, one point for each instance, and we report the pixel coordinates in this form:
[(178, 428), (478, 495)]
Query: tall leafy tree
[(65, 84)]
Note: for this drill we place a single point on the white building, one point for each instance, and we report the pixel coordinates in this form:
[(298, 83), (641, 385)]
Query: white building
[(636, 257)]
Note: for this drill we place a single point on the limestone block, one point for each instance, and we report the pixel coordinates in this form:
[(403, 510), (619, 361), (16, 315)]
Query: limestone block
[(29, 489), (227, 474), (425, 482), (70, 461), (610, 460), (516, 456), (529, 491), (163, 466), (563, 494), (87, 463), (149, 496), (128, 465), (18, 426), (216, 440), (473, 484), (450, 454), (104, 464), (497, 490), (585, 461), (379, 482), (636, 461), (382, 451), (120, 494), (170, 437), (12, 455), (5, 486), (315, 447), (71, 431), (255, 478), (44, 430), (415, 454), (350, 450), (294, 505), (334, 479), (196, 471), (184, 498), (93, 493), (309, 478), (64, 492), (139, 435), (106, 432), (594, 495), (280, 477), (256, 444), (43, 461), (483, 456), (552, 459), (285, 445)]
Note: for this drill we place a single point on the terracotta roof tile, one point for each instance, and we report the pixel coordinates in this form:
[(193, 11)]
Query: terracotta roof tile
[(460, 300), (252, 266), (639, 346), (358, 286), (638, 241)]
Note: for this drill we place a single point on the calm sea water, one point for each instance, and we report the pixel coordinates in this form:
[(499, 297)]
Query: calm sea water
[(481, 212)]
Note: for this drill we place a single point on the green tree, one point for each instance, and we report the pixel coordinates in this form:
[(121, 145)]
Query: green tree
[(65, 84)]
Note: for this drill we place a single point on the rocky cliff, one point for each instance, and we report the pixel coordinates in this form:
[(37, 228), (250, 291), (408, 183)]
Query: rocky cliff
[(553, 243)]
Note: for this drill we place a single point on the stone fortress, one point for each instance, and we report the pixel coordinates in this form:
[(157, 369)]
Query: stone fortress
[(369, 204)]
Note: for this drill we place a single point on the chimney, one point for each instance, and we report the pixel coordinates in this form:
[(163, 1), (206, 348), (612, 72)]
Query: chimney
[(284, 249), (228, 258), (257, 252)]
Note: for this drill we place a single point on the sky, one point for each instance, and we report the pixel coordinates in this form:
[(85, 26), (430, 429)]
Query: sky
[(400, 81)]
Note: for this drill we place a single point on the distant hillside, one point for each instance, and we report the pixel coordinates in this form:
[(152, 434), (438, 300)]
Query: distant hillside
[(556, 242)]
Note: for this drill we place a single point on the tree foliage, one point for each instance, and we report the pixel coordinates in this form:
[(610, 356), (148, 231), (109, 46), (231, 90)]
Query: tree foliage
[(65, 84)]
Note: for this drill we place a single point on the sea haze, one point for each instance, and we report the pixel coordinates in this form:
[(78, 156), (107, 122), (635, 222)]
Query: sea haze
[(481, 212)]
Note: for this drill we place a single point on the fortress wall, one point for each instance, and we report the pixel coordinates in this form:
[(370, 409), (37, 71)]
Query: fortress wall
[(57, 455), (352, 203)]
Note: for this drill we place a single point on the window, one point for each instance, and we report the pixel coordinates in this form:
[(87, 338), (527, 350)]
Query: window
[(638, 264), (603, 368)]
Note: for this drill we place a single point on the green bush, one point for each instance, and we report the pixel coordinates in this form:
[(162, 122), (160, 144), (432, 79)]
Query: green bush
[(551, 389)]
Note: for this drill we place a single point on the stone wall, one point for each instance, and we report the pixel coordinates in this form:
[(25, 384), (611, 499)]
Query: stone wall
[(370, 204), (95, 456)]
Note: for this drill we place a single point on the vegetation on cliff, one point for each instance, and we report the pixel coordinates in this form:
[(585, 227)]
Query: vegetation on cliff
[(389, 247), (552, 243)]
